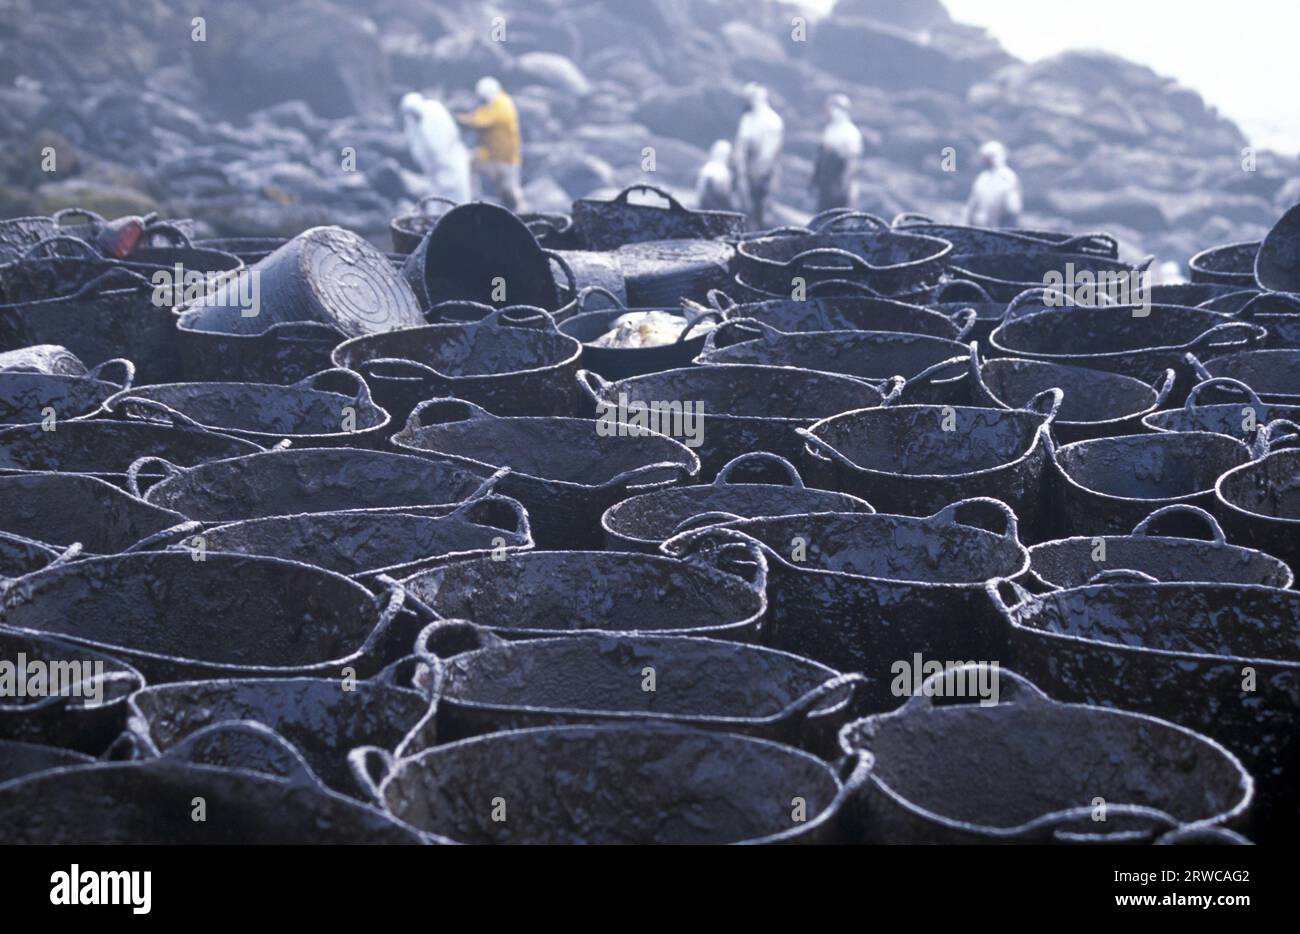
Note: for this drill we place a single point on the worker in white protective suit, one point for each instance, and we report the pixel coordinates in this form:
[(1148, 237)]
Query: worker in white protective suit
[(756, 153), (436, 147), (837, 157), (995, 198), (713, 185)]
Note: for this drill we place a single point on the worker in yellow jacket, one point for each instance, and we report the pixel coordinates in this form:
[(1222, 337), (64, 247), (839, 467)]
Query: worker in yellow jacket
[(498, 157)]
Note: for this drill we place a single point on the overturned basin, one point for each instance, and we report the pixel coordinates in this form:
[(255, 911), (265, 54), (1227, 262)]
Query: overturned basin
[(664, 272), (471, 250), (1277, 262)]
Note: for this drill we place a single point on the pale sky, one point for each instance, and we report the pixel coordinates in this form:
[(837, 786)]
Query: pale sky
[(1243, 57)]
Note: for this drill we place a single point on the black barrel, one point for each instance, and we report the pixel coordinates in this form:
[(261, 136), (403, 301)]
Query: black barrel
[(1277, 262), (482, 253)]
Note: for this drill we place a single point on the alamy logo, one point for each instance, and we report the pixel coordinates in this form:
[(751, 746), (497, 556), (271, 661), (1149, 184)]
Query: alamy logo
[(1085, 287), (179, 286), (684, 420), (38, 678), (916, 676), (76, 887)]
